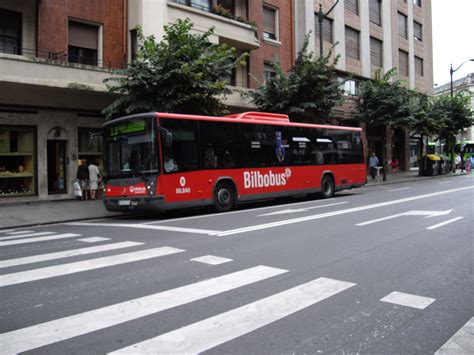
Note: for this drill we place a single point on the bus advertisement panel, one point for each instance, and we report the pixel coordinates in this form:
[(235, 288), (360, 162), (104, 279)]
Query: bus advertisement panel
[(160, 161)]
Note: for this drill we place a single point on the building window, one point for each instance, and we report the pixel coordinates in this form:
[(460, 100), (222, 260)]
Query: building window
[(10, 32), (270, 23), (204, 5), (417, 2), (349, 86), (90, 145), (403, 63), (417, 31), (375, 12), (402, 25), (419, 66), (82, 43), (376, 52), (268, 71), (352, 6), (352, 43), (133, 45), (327, 29), (228, 5)]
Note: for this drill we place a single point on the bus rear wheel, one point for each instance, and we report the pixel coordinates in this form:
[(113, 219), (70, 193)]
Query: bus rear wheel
[(327, 186), (224, 198)]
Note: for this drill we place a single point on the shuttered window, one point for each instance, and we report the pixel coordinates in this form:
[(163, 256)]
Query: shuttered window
[(417, 2), (403, 63), (375, 12), (269, 23), (352, 6), (327, 29), (376, 52), (419, 66), (10, 32), (82, 43), (402, 25), (417, 31), (352, 43)]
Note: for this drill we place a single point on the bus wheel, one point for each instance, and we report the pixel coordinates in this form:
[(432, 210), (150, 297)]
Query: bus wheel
[(224, 198), (327, 186)]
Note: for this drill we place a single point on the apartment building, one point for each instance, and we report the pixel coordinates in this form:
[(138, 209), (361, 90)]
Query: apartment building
[(54, 56), (370, 35)]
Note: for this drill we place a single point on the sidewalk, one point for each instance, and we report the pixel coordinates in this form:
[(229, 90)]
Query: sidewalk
[(14, 214)]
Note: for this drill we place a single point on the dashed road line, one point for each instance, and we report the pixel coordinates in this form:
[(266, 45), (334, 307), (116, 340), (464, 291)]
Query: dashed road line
[(408, 300), (40, 239), (212, 260), (445, 223)]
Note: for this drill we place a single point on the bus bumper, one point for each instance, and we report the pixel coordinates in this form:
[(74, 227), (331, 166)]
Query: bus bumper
[(137, 204)]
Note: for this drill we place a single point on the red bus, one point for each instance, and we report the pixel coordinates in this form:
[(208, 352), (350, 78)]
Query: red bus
[(161, 161)]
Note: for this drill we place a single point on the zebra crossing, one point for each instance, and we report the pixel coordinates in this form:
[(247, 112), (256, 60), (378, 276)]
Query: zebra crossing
[(196, 337)]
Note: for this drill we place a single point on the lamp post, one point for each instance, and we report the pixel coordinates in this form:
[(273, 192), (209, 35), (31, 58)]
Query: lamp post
[(321, 16), (451, 71)]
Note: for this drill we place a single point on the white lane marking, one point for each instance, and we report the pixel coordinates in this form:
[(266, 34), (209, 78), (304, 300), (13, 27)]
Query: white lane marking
[(211, 260), (251, 210), (337, 213), (93, 239), (406, 299), (7, 230), (217, 330), (57, 330), (301, 209), (461, 342), (85, 265), (26, 235), (427, 214), (20, 232), (66, 254), (445, 222), (142, 226), (40, 239), (446, 182), (400, 189)]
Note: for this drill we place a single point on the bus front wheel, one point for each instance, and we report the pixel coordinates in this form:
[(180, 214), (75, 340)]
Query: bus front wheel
[(327, 186), (224, 198)]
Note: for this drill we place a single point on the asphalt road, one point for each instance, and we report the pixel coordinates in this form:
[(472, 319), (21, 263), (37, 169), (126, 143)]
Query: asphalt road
[(382, 270)]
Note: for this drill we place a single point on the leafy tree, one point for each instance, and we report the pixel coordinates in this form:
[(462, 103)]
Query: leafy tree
[(183, 73), (307, 93)]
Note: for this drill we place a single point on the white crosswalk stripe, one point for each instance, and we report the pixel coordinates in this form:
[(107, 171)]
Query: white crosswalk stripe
[(19, 232), (66, 254), (211, 332), (68, 327), (40, 239), (79, 266), (19, 236)]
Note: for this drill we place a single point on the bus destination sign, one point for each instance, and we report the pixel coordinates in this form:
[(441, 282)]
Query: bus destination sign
[(127, 128)]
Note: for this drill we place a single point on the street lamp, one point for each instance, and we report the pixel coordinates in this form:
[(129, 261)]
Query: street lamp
[(321, 16), (451, 71)]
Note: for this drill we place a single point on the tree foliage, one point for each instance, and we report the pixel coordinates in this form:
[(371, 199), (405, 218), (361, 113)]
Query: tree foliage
[(183, 73), (307, 93)]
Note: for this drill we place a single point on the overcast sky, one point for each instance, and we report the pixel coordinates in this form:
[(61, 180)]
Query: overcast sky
[(453, 38)]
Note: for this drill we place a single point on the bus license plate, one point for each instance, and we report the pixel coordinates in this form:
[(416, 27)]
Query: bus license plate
[(124, 202)]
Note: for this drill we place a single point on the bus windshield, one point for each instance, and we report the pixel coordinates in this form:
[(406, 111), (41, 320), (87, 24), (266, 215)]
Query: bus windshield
[(131, 149)]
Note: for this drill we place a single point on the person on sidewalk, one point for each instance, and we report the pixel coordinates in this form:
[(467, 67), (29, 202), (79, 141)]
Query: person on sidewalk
[(83, 178), (94, 175), (394, 164), (373, 163)]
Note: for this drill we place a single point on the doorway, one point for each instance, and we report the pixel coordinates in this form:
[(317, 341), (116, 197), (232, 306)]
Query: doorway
[(56, 167)]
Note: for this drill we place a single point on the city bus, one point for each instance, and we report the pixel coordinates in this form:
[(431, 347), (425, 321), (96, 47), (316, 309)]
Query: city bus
[(161, 161)]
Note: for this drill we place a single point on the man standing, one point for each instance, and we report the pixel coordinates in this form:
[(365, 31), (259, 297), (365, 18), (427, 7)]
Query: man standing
[(373, 163)]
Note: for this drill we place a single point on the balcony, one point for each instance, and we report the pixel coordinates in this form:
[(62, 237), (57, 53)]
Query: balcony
[(234, 30)]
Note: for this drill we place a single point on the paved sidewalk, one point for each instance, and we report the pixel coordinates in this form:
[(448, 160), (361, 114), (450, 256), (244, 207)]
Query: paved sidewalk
[(14, 214)]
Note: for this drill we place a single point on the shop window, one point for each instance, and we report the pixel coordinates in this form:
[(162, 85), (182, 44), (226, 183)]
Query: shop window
[(10, 32), (90, 145), (83, 43), (17, 161), (402, 25), (375, 12), (352, 43), (270, 22), (327, 29)]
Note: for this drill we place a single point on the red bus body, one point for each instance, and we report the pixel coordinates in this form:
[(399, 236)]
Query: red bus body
[(161, 191)]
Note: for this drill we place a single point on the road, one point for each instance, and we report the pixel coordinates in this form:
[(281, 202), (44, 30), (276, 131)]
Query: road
[(385, 269)]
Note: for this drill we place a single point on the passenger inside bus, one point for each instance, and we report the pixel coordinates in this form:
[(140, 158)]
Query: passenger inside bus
[(170, 165), (210, 158)]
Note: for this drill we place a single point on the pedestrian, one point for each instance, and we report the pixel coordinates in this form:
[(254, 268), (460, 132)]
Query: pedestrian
[(394, 164), (94, 175), (373, 163), (83, 178)]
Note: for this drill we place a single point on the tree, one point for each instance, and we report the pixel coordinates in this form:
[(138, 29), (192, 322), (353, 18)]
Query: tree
[(307, 93), (183, 73)]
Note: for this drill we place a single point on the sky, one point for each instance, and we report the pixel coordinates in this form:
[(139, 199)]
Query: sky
[(453, 38)]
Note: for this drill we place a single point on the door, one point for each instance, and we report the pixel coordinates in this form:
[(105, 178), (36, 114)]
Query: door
[(57, 167)]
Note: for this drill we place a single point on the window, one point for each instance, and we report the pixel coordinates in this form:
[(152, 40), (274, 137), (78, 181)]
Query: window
[(327, 29), (90, 144), (10, 32), (220, 145), (82, 43), (352, 6), (268, 71), (403, 63), (204, 5), (402, 25), (269, 23), (349, 86), (375, 12), (417, 31), (228, 5), (352, 43), (133, 45), (419, 66), (417, 2), (376, 52)]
